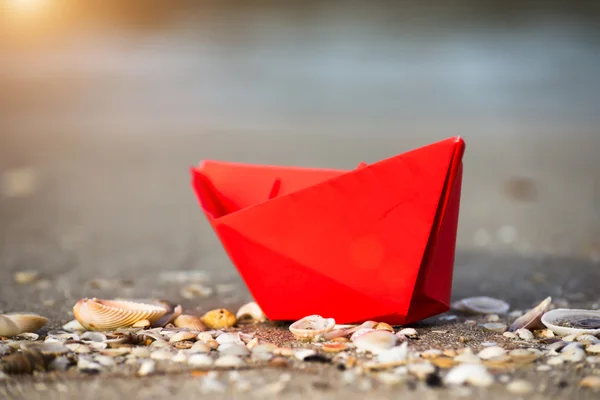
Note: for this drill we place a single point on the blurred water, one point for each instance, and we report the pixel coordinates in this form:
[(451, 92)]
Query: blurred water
[(337, 70)]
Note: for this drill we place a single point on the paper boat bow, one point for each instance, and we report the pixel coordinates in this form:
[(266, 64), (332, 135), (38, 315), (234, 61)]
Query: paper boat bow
[(374, 243)]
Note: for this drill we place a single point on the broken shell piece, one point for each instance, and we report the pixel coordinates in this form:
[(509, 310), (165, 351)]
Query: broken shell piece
[(481, 305), (73, 326), (173, 311), (311, 326), (183, 335), (532, 318), (219, 318), (382, 326), (191, 322), (564, 321), (375, 341), (251, 311), (100, 315), (16, 323), (408, 332)]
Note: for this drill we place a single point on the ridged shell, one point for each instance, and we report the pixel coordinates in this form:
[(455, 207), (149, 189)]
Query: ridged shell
[(532, 318), (104, 315), (481, 305), (191, 322), (311, 326), (17, 323), (580, 321)]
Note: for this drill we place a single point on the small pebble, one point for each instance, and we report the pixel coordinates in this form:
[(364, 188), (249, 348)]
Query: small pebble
[(146, 368), (199, 360), (495, 327), (525, 334), (229, 361), (520, 387)]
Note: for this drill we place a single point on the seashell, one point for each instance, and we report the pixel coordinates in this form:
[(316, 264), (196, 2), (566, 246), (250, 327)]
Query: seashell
[(524, 334), (587, 339), (593, 349), (564, 321), (219, 318), (226, 338), (481, 305), (392, 357), (251, 311), (311, 326), (234, 349), (473, 374), (46, 349), (431, 353), (467, 357), (200, 347), (573, 354), (520, 386), (183, 335), (102, 315), (532, 318), (93, 337), (173, 312), (303, 353), (146, 368), (73, 326), (229, 362), (383, 326), (334, 347), (421, 370), (408, 332), (144, 323), (491, 352), (360, 332), (14, 324), (191, 322), (495, 327), (375, 341)]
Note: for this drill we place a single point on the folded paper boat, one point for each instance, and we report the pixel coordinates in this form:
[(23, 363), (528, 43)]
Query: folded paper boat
[(373, 243)]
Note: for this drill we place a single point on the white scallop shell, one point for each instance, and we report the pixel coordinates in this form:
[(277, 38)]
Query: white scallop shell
[(311, 326), (16, 323), (481, 305), (556, 319), (102, 315)]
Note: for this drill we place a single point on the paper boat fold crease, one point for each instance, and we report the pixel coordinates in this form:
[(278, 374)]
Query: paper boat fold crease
[(373, 243)]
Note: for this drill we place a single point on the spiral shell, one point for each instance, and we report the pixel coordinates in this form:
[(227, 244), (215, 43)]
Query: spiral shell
[(16, 323), (104, 315)]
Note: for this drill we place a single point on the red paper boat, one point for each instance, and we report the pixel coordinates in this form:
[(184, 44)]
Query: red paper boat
[(374, 243)]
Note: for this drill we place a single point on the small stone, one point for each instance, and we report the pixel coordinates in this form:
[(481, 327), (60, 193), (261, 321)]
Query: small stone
[(199, 360), (234, 349), (593, 349), (409, 332), (144, 323), (26, 277), (229, 361), (146, 368), (495, 326), (525, 334), (510, 335), (491, 352), (555, 360), (520, 387), (473, 374), (590, 382)]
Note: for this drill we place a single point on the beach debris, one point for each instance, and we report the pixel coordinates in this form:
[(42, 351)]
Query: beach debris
[(251, 311), (14, 324), (191, 322), (532, 318), (472, 374), (104, 315), (565, 322), (481, 305), (375, 341), (311, 326), (219, 318)]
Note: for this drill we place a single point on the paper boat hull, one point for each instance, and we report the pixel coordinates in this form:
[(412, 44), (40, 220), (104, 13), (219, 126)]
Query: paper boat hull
[(373, 243)]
